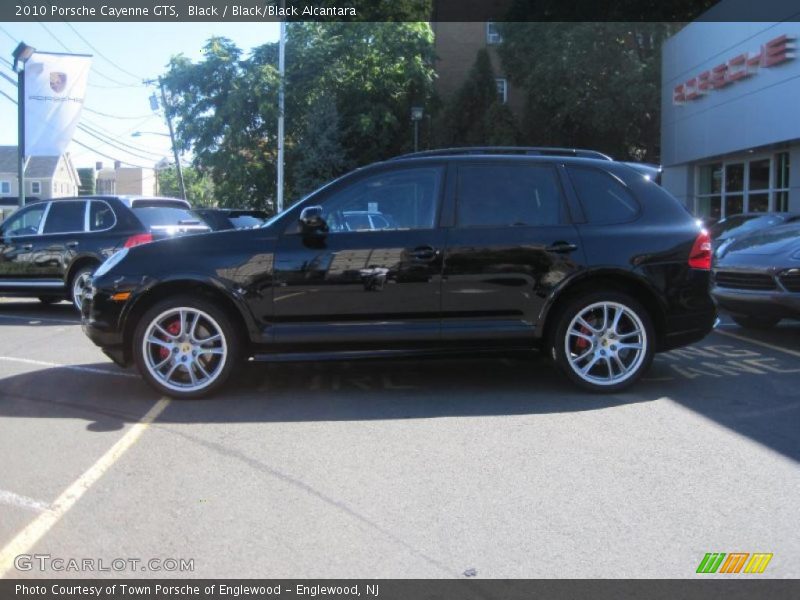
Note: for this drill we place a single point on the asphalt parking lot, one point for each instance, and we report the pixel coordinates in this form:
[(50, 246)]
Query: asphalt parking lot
[(491, 467)]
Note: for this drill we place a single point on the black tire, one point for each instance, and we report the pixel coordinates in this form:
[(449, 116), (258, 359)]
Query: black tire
[(48, 300), (559, 346), (218, 318), (750, 322), (77, 276)]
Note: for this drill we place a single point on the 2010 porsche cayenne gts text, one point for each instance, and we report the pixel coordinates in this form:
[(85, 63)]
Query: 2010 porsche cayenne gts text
[(439, 252)]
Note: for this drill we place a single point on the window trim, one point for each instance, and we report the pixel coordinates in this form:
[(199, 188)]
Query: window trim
[(772, 191), (47, 214), (87, 222), (38, 184), (563, 207), (493, 38)]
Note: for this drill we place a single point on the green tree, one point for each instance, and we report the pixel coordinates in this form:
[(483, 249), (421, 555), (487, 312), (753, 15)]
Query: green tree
[(199, 186), (225, 106), (593, 85), (88, 181), (320, 153), (475, 116)]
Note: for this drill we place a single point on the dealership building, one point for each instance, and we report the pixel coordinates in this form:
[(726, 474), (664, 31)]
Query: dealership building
[(730, 130)]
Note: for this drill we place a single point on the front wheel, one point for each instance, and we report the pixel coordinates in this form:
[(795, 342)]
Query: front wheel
[(185, 347), (603, 341)]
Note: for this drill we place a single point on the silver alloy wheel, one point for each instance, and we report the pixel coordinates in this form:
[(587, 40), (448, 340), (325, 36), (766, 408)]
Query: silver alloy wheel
[(184, 349), (78, 285), (606, 343)]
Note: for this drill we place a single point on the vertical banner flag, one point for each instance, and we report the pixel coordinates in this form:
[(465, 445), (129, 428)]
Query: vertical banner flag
[(55, 87)]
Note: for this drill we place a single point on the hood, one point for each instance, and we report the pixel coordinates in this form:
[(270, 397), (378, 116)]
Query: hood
[(772, 241)]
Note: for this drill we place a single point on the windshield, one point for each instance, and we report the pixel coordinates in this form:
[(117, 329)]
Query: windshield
[(159, 216)]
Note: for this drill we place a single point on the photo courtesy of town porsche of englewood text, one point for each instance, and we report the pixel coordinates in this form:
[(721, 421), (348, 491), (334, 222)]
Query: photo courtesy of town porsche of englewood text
[(411, 299)]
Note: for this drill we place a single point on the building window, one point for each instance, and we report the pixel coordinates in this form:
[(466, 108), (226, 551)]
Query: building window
[(758, 184), (5, 187), (493, 36), (502, 90), (36, 187)]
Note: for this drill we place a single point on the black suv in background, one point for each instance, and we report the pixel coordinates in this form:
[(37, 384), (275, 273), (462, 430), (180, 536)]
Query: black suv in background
[(49, 249), (485, 249)]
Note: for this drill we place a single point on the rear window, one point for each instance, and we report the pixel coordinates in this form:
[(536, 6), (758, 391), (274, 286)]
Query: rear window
[(151, 203), (156, 216), (605, 199)]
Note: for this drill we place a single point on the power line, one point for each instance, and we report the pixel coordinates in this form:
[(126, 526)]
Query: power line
[(120, 84), (98, 152), (100, 54)]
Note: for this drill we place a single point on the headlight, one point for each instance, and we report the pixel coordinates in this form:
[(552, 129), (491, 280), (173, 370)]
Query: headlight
[(111, 262)]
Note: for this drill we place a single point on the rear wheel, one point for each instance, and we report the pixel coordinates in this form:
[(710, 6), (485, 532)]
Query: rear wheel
[(750, 322), (185, 347), (79, 281), (603, 341)]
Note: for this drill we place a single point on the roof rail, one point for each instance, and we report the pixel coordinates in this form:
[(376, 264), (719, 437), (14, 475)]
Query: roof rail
[(526, 150)]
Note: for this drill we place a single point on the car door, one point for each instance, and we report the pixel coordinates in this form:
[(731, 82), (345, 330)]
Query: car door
[(62, 234), (510, 245), (18, 234), (362, 285)]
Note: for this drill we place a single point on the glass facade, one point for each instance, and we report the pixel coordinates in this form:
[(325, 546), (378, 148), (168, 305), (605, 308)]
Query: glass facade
[(757, 184)]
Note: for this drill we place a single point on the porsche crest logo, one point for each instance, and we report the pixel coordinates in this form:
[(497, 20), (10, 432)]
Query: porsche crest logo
[(58, 81)]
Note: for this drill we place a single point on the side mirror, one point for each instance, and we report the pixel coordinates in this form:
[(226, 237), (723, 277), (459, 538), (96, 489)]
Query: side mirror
[(312, 221)]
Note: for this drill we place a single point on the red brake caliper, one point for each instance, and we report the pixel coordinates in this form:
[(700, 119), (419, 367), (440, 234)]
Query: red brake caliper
[(173, 328), (582, 343)]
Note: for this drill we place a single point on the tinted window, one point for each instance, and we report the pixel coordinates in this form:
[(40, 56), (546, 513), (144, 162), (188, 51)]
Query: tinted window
[(406, 199), (100, 216), (161, 215), (507, 195), (24, 222), (65, 217), (603, 197)]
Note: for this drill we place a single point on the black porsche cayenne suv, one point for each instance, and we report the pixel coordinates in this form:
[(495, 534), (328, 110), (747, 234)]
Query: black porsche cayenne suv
[(488, 249)]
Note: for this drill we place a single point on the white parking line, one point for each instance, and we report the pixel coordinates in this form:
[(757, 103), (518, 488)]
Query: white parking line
[(38, 528), (758, 342), (21, 501), (43, 363), (40, 319)]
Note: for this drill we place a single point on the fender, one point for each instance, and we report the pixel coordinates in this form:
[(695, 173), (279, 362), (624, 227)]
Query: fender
[(596, 273), (151, 284)]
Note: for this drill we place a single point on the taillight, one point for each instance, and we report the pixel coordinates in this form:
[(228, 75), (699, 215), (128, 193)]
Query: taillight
[(139, 238), (700, 256)]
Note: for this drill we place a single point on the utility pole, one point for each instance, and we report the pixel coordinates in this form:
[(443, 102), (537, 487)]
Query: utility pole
[(172, 138), (175, 153), (281, 106)]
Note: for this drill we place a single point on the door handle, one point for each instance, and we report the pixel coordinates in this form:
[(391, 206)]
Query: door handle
[(27, 246), (561, 247), (72, 244), (424, 253)]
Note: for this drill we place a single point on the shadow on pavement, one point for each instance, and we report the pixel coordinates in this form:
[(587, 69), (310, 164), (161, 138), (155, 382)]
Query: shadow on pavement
[(36, 313)]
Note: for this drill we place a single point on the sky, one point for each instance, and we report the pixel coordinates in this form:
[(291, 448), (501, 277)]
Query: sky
[(130, 52)]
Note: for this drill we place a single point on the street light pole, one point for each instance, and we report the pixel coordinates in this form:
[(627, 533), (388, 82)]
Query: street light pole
[(281, 106)]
